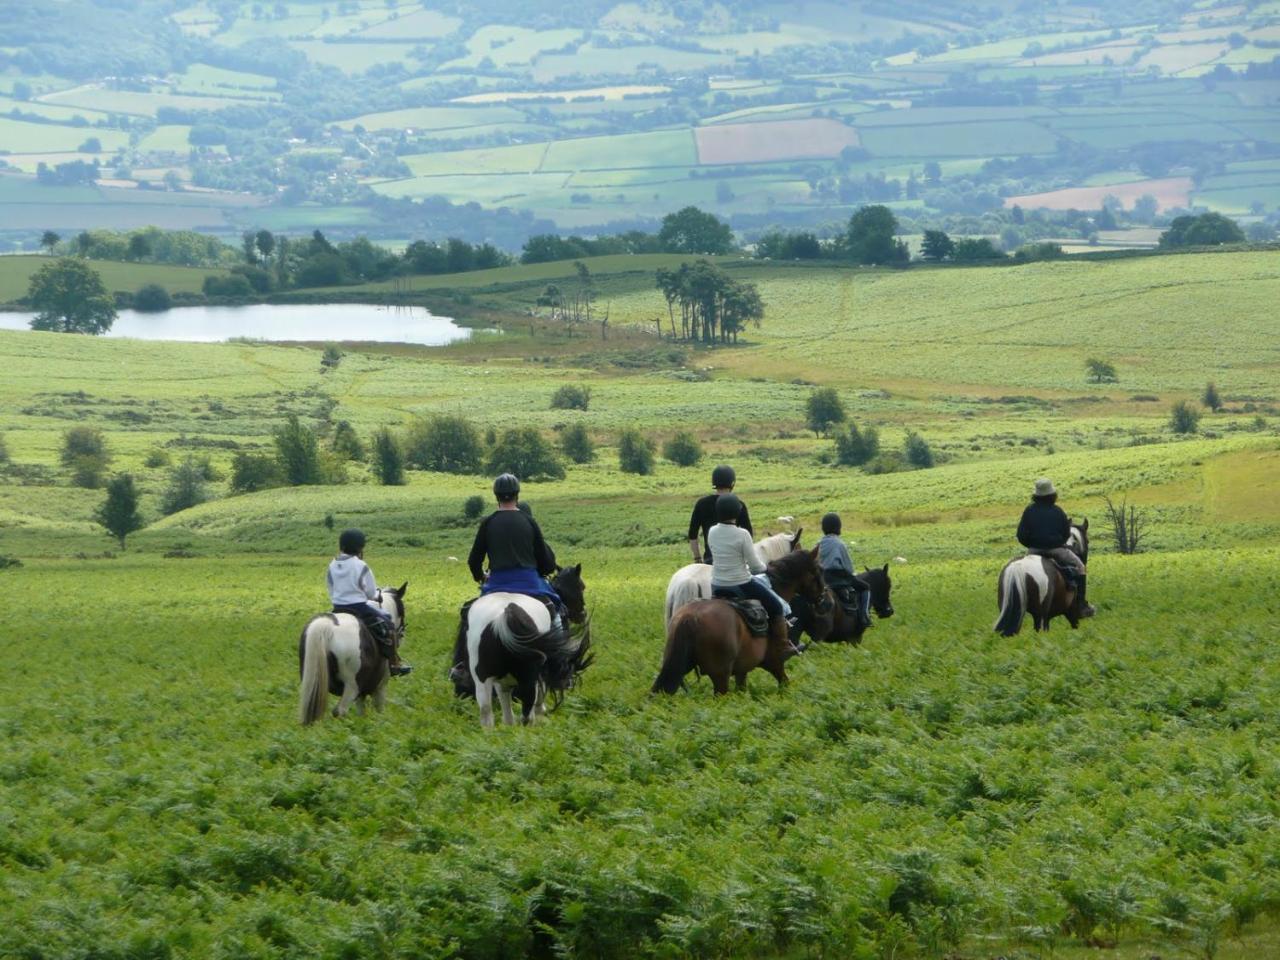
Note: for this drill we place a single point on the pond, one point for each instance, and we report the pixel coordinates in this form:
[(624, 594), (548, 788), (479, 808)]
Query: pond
[(366, 322)]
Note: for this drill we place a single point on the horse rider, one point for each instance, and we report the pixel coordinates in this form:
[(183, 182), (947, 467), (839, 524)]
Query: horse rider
[(734, 560), (353, 590), (838, 572), (1045, 530), (518, 556), (704, 514)]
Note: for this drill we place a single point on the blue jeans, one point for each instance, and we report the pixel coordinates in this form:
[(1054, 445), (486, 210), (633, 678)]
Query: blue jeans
[(751, 590), (366, 613)]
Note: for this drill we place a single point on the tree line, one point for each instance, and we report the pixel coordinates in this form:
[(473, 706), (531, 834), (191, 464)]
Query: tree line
[(713, 307)]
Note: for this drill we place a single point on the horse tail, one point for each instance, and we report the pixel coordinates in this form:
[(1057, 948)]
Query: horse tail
[(678, 659), (313, 694), (1013, 589), (517, 632)]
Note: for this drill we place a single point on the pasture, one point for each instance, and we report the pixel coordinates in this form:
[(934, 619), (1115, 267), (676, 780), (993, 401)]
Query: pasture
[(937, 791)]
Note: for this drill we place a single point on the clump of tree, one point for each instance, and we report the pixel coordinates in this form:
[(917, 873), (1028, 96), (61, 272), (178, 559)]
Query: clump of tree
[(802, 245), (573, 305), (388, 459), (823, 409), (871, 238), (576, 444), (453, 256), (1128, 526), (1184, 418), (548, 247), (857, 447), (976, 250), (683, 450), (186, 487), (446, 444), (251, 472), (526, 453), (1100, 371), (298, 453), (84, 451), (331, 357), (346, 443), (635, 452), (69, 296), (937, 246), (917, 452), (119, 511), (1205, 230), (693, 231), (713, 306), (152, 298), (1211, 399), (570, 396)]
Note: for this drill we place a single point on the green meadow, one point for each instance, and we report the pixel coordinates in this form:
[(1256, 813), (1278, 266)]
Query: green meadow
[(936, 792)]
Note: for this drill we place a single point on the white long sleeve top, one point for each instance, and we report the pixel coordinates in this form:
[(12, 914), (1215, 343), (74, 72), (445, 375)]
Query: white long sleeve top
[(734, 557), (350, 581)]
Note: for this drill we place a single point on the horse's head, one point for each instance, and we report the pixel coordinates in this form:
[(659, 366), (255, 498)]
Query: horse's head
[(391, 599), (1079, 541), (880, 584), (568, 583), (800, 572)]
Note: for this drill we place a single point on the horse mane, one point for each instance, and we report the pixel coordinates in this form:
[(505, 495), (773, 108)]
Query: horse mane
[(790, 567)]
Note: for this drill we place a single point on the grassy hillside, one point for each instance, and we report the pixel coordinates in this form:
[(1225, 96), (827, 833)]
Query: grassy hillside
[(16, 272), (934, 792)]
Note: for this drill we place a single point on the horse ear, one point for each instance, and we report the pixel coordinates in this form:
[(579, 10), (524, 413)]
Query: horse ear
[(404, 588), (814, 552), (578, 570), (1084, 525), (795, 541), (886, 568)]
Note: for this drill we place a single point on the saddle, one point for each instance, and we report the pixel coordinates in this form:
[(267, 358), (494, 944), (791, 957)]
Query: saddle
[(752, 613)]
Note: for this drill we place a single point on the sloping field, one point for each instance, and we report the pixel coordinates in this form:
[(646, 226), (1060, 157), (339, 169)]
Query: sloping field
[(773, 140), (1168, 191)]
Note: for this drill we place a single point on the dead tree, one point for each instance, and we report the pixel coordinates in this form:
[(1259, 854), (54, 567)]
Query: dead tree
[(1128, 526)]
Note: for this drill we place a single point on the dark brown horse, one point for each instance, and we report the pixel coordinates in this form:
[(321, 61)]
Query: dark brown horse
[(829, 622), (711, 637), (1033, 584)]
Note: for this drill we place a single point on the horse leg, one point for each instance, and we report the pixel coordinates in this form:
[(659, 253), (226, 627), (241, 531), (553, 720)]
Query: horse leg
[(720, 682), (740, 680), (540, 700), (380, 695), (484, 697), (527, 691), (349, 691), (360, 706), (504, 698)]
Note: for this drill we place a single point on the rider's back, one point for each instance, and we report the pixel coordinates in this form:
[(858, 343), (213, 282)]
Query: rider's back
[(1044, 526), (512, 541)]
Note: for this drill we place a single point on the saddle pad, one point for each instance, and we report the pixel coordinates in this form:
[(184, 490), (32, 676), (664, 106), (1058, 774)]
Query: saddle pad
[(752, 611)]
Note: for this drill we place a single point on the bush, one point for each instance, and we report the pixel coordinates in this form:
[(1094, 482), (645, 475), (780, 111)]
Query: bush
[(331, 357), (254, 471), (234, 285), (345, 442), (526, 453), (448, 444), (186, 488), (857, 447), (1211, 398), (571, 397), (822, 409), (917, 452), (87, 472), (81, 442), (683, 450), (575, 443), (152, 298), (1100, 371), (473, 507), (388, 458), (635, 453), (1184, 418), (156, 458), (298, 453)]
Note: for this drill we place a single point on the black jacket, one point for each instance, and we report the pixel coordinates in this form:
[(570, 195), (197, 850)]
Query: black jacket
[(704, 518), (510, 540), (1044, 526)]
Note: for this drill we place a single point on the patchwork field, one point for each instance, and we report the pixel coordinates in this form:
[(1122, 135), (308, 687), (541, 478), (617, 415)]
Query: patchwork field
[(771, 141), (1168, 191)]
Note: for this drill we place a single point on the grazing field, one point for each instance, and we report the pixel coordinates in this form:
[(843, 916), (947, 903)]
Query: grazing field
[(1168, 191), (936, 791), (771, 141), (15, 274)]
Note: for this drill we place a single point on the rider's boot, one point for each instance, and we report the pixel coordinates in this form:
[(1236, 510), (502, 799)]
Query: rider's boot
[(1085, 608), (780, 638), (382, 636), (864, 610)]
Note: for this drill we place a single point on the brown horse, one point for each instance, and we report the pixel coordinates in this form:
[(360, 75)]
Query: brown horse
[(711, 637), (1033, 584)]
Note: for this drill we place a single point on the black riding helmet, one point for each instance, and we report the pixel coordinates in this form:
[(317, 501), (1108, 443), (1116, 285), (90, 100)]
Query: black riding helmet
[(723, 476), (831, 523), (506, 487), (351, 542), (728, 507)]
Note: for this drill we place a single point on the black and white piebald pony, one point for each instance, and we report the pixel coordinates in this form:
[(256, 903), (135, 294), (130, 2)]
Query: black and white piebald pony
[(338, 655), (1033, 584)]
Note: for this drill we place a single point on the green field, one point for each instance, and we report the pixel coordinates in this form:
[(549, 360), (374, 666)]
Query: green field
[(935, 792), (15, 273)]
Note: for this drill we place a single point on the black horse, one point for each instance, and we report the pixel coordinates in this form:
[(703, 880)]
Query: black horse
[(829, 622)]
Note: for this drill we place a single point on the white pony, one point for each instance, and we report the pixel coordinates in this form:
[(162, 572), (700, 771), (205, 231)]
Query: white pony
[(693, 581), (337, 654)]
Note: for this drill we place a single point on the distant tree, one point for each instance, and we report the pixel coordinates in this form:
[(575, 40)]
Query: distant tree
[(346, 443), (1261, 232), (975, 249), (1105, 219), (635, 452), (265, 241), (1144, 209), (69, 296), (822, 409), (251, 472), (1205, 230), (683, 450), (575, 443), (526, 453), (936, 246), (152, 298), (869, 238), (139, 247), (917, 452), (49, 240), (1211, 397), (571, 396), (856, 447), (90, 145), (331, 357), (234, 285), (1128, 526), (448, 444), (119, 512), (298, 453), (692, 231), (1184, 418), (1100, 371), (186, 488), (84, 450), (388, 459), (932, 172)]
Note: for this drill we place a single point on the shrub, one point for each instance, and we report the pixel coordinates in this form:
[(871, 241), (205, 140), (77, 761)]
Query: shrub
[(635, 453), (571, 397), (156, 458), (298, 453), (119, 512), (526, 453), (575, 443), (1184, 418), (1100, 371), (473, 507), (1211, 398), (81, 442), (152, 298), (822, 409), (388, 458), (857, 447), (331, 357), (683, 450), (234, 285), (186, 488), (448, 444), (917, 452), (345, 442), (254, 471)]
